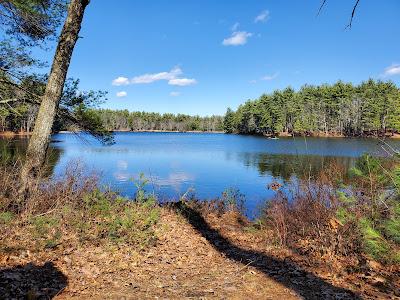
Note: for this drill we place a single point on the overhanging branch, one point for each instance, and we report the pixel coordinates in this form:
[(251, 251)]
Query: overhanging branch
[(62, 112), (353, 12)]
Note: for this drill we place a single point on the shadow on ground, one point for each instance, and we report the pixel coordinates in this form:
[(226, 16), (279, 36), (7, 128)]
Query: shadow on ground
[(304, 283), (31, 282)]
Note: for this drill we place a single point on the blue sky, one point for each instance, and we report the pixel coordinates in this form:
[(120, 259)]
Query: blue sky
[(199, 57)]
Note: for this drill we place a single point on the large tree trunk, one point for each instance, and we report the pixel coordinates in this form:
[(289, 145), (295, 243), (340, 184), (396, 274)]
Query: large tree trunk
[(39, 142)]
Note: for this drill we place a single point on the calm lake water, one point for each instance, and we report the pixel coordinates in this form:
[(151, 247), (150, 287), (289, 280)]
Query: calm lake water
[(206, 164)]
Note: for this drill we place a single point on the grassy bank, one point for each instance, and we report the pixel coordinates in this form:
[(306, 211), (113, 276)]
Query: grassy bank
[(72, 240)]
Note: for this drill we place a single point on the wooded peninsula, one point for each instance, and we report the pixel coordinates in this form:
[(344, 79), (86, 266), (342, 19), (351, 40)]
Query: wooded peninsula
[(371, 108)]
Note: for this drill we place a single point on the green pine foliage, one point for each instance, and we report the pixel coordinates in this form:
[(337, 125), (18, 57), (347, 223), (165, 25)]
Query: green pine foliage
[(229, 121), (379, 223), (373, 242)]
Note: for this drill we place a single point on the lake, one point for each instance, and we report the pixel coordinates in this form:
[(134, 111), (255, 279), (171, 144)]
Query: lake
[(204, 164)]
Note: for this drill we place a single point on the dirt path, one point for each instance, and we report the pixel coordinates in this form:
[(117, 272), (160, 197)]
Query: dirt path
[(183, 265), (191, 260)]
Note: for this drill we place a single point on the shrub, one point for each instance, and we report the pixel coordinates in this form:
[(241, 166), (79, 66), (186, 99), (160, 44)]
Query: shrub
[(105, 215), (391, 226), (232, 200)]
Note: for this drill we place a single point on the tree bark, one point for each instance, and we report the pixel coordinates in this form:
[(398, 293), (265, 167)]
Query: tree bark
[(40, 139)]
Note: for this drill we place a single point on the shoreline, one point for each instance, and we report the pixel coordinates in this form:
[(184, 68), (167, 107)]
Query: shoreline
[(280, 135), (155, 131), (170, 131), (323, 135), (10, 134), (13, 134)]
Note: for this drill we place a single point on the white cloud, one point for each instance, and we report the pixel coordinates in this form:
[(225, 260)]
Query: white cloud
[(122, 94), (262, 17), (120, 81), (265, 78), (237, 38), (182, 81), (394, 69), (270, 77), (173, 77), (175, 94), (235, 26), (149, 78)]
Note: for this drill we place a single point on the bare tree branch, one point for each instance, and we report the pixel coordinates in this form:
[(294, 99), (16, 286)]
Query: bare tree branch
[(321, 7), (352, 14)]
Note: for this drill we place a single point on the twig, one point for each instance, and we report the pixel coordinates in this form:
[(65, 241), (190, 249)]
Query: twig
[(389, 146), (245, 266), (46, 213)]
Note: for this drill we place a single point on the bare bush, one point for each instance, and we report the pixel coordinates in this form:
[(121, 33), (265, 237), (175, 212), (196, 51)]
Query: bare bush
[(305, 218), (330, 220)]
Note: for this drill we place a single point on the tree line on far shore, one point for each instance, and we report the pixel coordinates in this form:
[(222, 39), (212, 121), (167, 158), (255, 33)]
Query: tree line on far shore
[(141, 121), (370, 108), (21, 117)]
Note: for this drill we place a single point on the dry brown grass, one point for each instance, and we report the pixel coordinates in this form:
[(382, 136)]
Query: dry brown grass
[(46, 194)]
